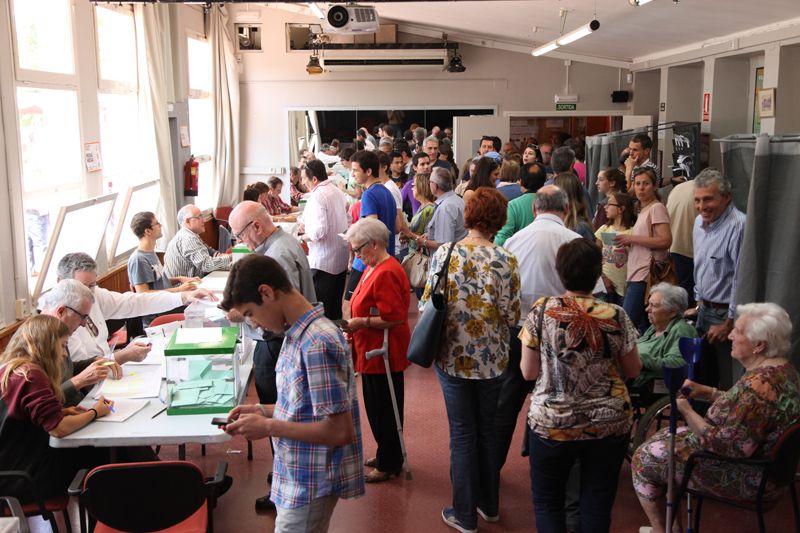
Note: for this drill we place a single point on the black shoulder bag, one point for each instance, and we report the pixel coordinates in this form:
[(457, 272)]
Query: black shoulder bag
[(427, 336)]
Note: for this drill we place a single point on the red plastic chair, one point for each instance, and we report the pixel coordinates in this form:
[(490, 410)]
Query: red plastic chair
[(222, 214), (46, 508), (166, 319), (167, 496)]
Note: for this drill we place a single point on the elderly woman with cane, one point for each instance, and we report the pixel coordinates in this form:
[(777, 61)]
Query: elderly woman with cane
[(744, 421), (379, 303)]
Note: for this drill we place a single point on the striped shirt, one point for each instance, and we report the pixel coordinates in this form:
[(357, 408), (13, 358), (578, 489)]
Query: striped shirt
[(188, 255), (325, 217), (315, 379), (716, 257)]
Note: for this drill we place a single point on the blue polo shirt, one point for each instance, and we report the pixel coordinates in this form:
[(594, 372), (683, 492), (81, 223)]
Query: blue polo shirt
[(377, 200)]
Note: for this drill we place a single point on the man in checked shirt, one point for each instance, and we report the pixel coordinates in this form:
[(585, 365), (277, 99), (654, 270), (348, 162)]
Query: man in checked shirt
[(315, 421), (717, 236)]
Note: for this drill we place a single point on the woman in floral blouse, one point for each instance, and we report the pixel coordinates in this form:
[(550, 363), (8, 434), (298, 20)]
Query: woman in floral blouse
[(745, 421), (576, 347), (482, 303)]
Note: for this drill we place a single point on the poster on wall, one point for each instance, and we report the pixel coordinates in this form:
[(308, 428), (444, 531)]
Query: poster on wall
[(686, 149), (94, 161)]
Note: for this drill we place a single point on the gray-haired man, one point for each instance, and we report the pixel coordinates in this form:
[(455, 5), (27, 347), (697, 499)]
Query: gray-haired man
[(187, 254)]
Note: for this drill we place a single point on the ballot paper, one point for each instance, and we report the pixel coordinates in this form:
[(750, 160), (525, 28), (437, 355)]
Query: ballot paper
[(198, 335), (124, 409), (156, 354), (142, 382)]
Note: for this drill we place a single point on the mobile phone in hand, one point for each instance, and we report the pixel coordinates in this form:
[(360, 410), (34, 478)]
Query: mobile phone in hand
[(220, 421)]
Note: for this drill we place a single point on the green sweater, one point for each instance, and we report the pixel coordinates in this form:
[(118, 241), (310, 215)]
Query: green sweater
[(656, 351), (519, 215)]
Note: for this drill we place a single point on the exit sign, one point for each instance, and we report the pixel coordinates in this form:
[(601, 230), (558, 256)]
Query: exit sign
[(566, 107)]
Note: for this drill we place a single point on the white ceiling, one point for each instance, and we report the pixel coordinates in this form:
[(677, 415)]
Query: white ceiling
[(626, 33)]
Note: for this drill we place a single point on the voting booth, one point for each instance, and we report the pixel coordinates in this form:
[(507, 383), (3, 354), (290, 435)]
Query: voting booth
[(202, 370)]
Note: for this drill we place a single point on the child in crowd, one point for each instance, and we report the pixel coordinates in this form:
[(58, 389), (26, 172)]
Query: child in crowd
[(609, 181), (621, 217)]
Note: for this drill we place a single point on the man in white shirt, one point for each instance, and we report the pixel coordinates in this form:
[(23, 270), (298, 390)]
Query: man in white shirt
[(535, 248), (187, 255), (325, 217), (91, 339)]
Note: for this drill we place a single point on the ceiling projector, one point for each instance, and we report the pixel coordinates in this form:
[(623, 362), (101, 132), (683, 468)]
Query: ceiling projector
[(351, 18)]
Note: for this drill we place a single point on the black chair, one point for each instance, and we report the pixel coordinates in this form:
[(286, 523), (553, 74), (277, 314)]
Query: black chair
[(12, 505), (39, 506), (165, 494), (779, 469)]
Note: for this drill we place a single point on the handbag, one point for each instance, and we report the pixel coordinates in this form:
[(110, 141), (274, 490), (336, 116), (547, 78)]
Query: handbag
[(416, 266), (660, 272), (427, 335)]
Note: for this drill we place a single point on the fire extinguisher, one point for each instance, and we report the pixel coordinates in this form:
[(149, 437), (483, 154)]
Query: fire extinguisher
[(190, 179)]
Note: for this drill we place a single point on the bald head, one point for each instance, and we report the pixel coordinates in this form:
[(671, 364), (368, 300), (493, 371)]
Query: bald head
[(551, 199), (250, 223)]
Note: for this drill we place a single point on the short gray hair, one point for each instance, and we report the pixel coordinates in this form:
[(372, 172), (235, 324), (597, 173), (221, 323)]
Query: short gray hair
[(770, 323), (562, 159), (709, 177), (420, 134), (442, 178), (367, 230), (432, 138), (67, 292), (75, 262), (673, 297), (556, 201), (184, 213)]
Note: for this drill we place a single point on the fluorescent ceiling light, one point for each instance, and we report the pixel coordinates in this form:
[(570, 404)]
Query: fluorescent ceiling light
[(567, 38), (317, 11), (549, 47)]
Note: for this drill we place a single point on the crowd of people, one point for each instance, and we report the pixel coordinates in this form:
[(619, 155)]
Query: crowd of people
[(574, 306)]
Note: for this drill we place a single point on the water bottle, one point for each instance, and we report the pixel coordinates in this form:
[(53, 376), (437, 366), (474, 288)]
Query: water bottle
[(194, 315)]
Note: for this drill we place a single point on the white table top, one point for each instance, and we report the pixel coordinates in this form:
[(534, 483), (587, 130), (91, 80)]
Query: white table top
[(142, 429), (9, 524)]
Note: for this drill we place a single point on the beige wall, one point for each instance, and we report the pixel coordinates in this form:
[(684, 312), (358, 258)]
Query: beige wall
[(274, 81)]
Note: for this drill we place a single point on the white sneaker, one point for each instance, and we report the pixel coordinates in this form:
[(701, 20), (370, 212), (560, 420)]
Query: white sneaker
[(645, 529), (448, 516), (488, 518)]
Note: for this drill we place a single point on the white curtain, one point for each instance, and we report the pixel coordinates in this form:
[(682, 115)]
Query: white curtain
[(226, 187), (314, 142), (152, 37), (297, 135)]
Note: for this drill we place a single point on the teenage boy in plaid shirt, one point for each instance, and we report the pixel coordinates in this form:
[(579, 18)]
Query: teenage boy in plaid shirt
[(315, 422)]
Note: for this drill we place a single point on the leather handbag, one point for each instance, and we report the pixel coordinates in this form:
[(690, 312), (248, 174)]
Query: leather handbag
[(427, 335), (660, 272), (416, 266)]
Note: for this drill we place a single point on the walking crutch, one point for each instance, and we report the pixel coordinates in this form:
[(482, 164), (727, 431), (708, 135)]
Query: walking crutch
[(690, 350), (384, 352), (673, 379)]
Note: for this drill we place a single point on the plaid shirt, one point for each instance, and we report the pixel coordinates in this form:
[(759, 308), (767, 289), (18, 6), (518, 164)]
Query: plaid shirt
[(315, 380)]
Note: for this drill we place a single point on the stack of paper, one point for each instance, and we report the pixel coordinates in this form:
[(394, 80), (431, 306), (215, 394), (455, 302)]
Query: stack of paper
[(205, 392), (123, 410), (134, 384)]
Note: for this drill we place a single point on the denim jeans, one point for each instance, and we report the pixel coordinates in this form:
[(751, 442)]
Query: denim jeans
[(634, 304), (474, 475), (684, 269), (716, 367), (600, 463)]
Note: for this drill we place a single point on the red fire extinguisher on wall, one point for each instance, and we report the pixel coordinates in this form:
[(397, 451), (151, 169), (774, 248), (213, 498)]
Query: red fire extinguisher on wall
[(190, 176)]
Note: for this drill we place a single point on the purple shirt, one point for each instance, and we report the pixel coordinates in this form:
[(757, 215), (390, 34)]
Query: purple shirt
[(407, 194)]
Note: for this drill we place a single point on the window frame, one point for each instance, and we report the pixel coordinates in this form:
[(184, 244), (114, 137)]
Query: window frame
[(115, 86)]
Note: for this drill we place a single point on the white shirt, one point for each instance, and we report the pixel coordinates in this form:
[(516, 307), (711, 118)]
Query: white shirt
[(535, 247), (327, 158), (325, 218), (398, 201), (108, 305)]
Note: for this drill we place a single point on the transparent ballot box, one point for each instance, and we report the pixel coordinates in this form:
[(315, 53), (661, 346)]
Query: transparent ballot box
[(202, 370)]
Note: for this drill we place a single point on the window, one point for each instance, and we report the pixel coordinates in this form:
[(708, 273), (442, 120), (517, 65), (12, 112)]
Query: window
[(201, 116), (44, 43), (116, 48)]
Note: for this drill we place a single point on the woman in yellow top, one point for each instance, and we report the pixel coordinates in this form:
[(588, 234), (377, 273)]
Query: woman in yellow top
[(621, 216)]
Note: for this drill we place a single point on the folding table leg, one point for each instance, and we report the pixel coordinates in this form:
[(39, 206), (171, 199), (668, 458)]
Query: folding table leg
[(249, 450), (182, 452)]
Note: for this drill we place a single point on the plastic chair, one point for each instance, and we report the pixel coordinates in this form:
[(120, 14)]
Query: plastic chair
[(15, 508), (46, 508), (169, 495), (222, 214), (779, 469), (166, 319)]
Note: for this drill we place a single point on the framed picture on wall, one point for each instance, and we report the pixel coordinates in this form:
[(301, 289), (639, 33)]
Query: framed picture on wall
[(759, 86), (766, 103)]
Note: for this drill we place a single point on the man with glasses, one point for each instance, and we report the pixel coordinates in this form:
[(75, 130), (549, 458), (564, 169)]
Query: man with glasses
[(252, 225), (187, 254), (91, 339), (71, 301), (145, 272)]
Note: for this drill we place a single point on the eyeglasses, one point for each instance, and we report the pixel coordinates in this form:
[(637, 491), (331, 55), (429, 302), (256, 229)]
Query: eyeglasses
[(84, 318), (357, 250), (238, 236)]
